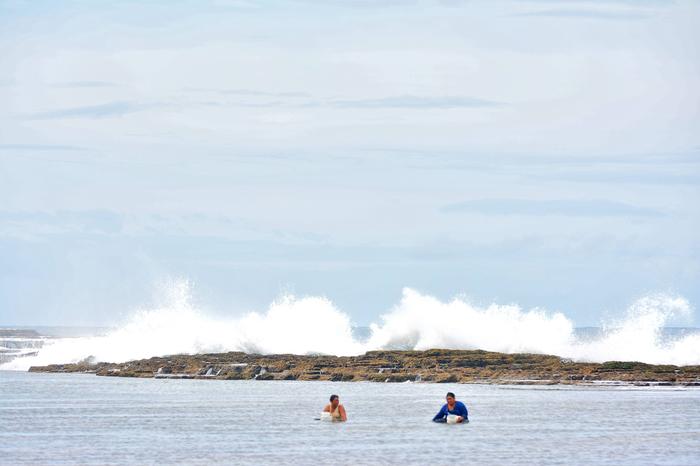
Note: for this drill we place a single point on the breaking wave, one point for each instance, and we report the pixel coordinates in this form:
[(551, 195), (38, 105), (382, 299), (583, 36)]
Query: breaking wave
[(314, 325)]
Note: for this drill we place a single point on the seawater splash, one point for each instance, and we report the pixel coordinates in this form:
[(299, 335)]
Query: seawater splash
[(422, 322), (290, 325), (314, 325), (638, 336)]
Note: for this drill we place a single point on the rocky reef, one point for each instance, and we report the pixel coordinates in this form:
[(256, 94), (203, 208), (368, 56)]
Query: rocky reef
[(441, 366)]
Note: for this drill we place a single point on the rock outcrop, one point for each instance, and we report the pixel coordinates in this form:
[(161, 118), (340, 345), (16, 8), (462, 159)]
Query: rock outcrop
[(442, 366)]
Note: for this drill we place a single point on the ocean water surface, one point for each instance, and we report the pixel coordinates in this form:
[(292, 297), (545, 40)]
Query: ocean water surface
[(72, 419)]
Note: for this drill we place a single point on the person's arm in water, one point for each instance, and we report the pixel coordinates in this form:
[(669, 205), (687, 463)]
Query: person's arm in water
[(462, 411), (327, 409), (441, 415), (343, 414)]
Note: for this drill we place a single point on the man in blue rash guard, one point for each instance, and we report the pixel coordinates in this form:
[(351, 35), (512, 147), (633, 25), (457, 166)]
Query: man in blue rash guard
[(453, 407)]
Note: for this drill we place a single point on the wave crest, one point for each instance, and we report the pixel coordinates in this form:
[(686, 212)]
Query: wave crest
[(314, 325)]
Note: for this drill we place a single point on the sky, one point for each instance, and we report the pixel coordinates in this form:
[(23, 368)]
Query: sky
[(544, 153)]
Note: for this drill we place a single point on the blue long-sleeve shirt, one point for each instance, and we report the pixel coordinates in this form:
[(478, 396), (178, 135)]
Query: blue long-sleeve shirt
[(459, 409)]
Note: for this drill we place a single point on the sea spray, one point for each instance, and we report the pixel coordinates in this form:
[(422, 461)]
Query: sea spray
[(314, 325), (422, 322), (290, 325), (638, 335)]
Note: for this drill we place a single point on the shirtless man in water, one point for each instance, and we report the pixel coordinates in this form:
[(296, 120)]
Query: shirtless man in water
[(336, 409)]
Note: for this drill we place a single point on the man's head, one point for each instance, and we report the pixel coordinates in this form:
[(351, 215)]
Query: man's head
[(335, 401), (450, 397)]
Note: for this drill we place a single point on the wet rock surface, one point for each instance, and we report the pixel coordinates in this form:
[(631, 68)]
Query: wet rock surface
[(442, 366)]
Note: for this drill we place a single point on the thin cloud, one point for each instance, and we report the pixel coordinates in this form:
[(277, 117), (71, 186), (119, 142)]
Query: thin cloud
[(249, 92), (644, 164), (366, 3), (643, 178), (111, 109), (84, 84), (62, 221), (301, 100), (410, 101), (635, 3), (585, 14), (556, 207), (39, 147)]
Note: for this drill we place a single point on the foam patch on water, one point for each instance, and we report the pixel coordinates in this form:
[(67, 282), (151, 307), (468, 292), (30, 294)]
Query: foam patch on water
[(314, 325)]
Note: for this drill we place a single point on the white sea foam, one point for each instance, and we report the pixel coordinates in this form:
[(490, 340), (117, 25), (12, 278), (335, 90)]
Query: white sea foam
[(314, 325)]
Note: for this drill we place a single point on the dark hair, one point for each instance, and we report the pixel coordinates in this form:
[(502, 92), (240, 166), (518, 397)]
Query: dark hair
[(334, 397), (450, 394)]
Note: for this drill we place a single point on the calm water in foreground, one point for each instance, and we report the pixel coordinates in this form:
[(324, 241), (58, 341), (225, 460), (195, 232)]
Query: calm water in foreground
[(83, 419)]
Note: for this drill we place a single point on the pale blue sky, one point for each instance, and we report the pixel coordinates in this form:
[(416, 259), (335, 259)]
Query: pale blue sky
[(539, 152)]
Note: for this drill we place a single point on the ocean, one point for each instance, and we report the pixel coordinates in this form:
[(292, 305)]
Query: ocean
[(79, 419)]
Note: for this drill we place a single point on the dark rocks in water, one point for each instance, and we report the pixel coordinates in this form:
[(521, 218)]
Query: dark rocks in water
[(451, 378), (437, 365)]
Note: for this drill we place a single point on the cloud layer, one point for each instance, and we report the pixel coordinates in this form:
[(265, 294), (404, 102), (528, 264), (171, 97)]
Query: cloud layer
[(541, 152)]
